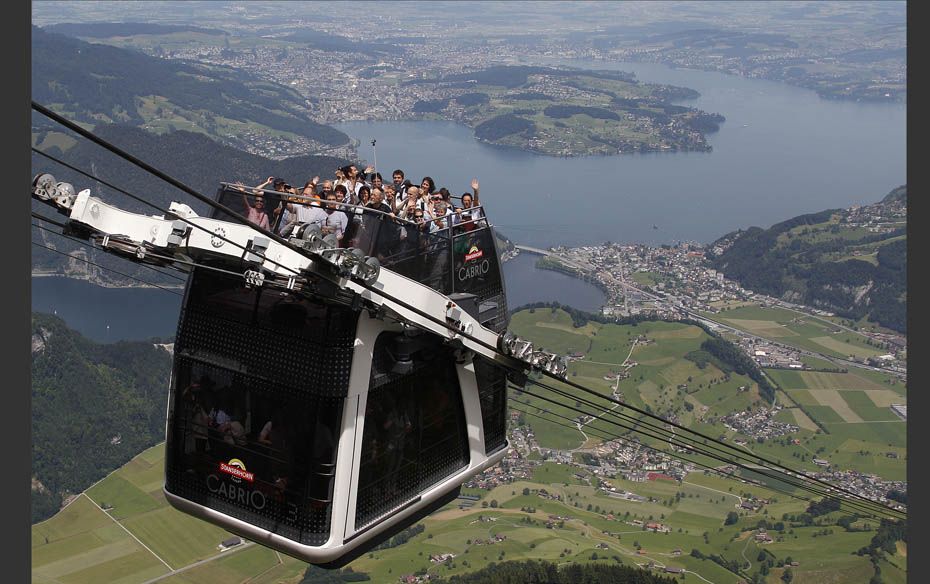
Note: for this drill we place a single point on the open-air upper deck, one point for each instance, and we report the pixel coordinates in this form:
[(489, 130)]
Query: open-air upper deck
[(455, 254)]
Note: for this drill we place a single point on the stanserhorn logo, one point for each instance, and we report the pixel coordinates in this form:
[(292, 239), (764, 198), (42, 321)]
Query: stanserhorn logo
[(473, 254), (236, 468)]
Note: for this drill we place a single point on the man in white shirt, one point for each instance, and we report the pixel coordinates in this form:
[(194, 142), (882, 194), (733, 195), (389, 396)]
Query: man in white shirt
[(335, 221), (311, 214)]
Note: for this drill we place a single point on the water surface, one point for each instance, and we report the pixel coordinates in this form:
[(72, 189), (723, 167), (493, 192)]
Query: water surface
[(783, 151)]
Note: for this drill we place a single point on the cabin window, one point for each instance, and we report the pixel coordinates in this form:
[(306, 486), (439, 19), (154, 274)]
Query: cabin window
[(256, 403), (247, 449), (415, 433)]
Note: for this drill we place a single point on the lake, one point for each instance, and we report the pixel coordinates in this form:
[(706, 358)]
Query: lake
[(782, 152), (526, 284), (107, 315)]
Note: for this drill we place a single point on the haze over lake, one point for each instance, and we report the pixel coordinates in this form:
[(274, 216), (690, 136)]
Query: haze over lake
[(783, 151)]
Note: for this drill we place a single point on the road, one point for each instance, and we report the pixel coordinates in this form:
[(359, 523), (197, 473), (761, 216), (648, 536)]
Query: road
[(239, 547)]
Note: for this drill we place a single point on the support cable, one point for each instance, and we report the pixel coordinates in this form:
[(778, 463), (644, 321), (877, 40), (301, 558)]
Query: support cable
[(675, 440), (609, 437), (167, 212), (856, 505), (159, 174), (140, 280), (851, 494)]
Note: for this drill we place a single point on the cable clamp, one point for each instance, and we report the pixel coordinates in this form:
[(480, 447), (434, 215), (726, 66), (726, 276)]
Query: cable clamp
[(253, 278)]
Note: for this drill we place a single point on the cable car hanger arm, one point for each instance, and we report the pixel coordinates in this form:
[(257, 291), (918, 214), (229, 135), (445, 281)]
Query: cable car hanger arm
[(153, 239)]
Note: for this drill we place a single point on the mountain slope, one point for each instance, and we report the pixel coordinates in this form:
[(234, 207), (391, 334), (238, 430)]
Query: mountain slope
[(96, 83), (93, 408), (849, 261)]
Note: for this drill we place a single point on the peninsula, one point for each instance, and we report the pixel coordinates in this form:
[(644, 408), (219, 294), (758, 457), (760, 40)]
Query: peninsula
[(566, 112)]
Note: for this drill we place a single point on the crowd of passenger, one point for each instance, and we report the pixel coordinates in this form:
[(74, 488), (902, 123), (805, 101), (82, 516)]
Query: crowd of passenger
[(342, 206)]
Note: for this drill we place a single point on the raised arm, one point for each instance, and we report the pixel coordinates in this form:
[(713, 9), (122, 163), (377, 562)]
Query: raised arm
[(245, 196), (474, 188)]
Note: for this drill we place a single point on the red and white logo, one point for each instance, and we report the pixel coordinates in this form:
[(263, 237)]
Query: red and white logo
[(473, 254), (236, 468)]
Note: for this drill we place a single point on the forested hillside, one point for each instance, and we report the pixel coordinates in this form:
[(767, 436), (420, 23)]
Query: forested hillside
[(849, 261), (94, 407), (194, 159), (95, 84)]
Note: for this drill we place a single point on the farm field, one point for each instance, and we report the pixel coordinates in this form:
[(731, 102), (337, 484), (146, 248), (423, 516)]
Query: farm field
[(798, 330), (847, 405), (84, 545), (121, 525), (854, 408)]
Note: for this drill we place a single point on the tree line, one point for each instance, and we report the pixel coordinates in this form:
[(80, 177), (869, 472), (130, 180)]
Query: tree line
[(802, 268), (90, 79), (543, 572)]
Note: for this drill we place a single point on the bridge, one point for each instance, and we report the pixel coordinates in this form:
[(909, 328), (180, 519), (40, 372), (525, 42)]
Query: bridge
[(536, 250)]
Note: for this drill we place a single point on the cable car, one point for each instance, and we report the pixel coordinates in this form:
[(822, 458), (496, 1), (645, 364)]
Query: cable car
[(306, 411)]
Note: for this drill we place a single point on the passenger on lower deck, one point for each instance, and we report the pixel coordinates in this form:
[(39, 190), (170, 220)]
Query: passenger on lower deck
[(274, 435)]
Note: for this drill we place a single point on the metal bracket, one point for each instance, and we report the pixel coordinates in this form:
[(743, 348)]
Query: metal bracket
[(257, 247), (179, 232)]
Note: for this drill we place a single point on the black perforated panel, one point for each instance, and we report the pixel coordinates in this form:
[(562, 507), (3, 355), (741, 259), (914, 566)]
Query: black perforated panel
[(283, 338)]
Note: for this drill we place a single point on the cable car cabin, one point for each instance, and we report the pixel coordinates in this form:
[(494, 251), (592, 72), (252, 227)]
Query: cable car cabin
[(312, 426)]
